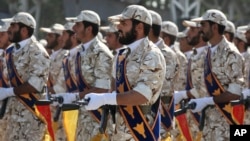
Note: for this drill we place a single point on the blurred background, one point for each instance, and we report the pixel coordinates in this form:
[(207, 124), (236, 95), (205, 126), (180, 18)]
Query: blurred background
[(48, 12)]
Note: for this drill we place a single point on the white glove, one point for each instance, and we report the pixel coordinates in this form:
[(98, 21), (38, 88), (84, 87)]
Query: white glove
[(201, 103), (179, 95), (67, 98), (245, 93), (6, 92), (96, 100)]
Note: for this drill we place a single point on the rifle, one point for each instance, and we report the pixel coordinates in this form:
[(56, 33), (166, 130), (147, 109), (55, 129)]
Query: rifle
[(74, 106), (59, 108), (3, 107), (192, 105), (106, 109)]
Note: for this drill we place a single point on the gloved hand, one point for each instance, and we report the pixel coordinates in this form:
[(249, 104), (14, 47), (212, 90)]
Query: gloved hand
[(245, 93), (67, 98), (96, 100), (6, 92), (179, 95), (201, 103)]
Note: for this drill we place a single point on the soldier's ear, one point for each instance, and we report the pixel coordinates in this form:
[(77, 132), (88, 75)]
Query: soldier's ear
[(24, 31)]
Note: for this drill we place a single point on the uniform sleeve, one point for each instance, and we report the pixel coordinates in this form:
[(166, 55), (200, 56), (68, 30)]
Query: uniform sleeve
[(60, 84), (39, 68), (103, 70), (234, 71), (151, 76)]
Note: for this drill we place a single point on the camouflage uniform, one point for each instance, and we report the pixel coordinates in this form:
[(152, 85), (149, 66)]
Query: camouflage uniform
[(197, 72), (71, 54), (227, 65), (142, 60), (32, 64), (3, 121), (96, 66), (56, 74), (172, 68), (246, 56), (180, 82)]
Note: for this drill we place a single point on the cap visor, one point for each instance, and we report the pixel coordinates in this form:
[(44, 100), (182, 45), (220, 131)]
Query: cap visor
[(243, 28), (115, 18), (71, 19), (190, 24), (8, 20), (47, 30), (181, 35), (104, 28), (197, 19)]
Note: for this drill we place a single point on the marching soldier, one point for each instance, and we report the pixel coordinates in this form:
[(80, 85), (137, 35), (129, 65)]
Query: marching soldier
[(28, 68), (67, 72), (172, 64), (139, 80), (93, 67), (4, 44), (56, 83), (240, 42), (169, 33), (223, 77), (195, 75)]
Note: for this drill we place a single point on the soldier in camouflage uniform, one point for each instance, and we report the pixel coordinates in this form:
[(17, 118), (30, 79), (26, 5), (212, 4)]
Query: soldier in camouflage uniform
[(145, 66), (71, 44), (56, 83), (240, 42), (172, 68), (195, 70), (31, 62), (169, 33), (223, 78), (95, 64), (4, 43)]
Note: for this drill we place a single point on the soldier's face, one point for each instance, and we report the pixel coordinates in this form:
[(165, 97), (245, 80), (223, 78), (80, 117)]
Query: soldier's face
[(80, 31), (4, 40), (206, 31), (51, 39), (248, 36), (14, 32), (193, 36), (66, 42), (112, 40), (127, 32)]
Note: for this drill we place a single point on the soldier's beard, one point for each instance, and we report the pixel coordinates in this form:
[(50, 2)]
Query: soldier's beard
[(52, 45), (129, 37), (68, 44), (16, 37), (206, 36), (194, 41)]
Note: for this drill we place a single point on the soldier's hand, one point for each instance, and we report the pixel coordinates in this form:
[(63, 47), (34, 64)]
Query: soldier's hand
[(6, 92), (96, 100), (245, 93), (201, 103), (179, 95)]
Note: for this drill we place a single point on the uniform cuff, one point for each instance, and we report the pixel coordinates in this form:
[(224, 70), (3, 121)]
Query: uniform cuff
[(234, 88), (194, 92)]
